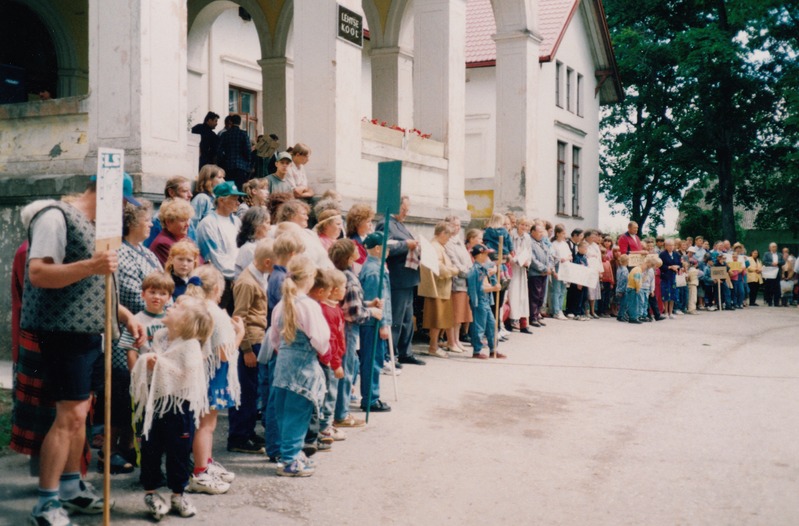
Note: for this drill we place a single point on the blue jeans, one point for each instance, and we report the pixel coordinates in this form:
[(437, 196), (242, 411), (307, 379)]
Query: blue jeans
[(370, 358), (643, 303), (483, 324), (242, 420), (293, 417), (682, 299), (622, 307), (632, 301), (726, 295), (322, 420), (351, 366), (739, 292), (558, 293), (268, 413)]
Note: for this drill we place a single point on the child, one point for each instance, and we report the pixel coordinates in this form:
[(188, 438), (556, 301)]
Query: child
[(184, 257), (480, 299), (649, 300), (495, 229), (221, 379), (561, 254), (301, 335), (577, 294), (606, 281), (156, 290), (622, 272), (371, 354), (249, 299), (168, 388), (692, 281), (344, 253), (738, 278), (632, 295), (286, 246)]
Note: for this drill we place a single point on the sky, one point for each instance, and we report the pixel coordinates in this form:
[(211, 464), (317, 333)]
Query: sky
[(618, 223)]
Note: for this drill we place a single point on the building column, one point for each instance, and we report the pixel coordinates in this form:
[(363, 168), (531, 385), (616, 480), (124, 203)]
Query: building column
[(516, 85), (327, 113), (440, 84), (392, 86), (137, 86), (278, 97)]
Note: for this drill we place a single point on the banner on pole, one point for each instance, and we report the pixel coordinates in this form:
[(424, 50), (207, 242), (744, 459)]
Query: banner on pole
[(389, 186), (110, 180)]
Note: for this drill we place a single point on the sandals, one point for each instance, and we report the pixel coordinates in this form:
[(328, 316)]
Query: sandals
[(118, 464)]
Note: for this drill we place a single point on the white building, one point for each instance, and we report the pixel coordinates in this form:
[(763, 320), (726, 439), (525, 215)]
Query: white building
[(136, 75)]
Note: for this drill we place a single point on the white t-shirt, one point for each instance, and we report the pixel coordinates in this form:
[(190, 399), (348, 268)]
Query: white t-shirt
[(562, 250), (296, 176), (49, 235)]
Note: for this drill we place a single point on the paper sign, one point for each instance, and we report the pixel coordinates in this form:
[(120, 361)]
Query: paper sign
[(771, 272), (429, 256), (718, 273), (108, 221), (736, 265), (578, 274), (635, 260)]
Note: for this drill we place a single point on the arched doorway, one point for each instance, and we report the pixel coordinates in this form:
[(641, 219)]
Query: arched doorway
[(28, 63)]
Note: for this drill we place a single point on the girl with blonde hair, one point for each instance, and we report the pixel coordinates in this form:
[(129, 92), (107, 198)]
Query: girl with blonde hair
[(203, 201)]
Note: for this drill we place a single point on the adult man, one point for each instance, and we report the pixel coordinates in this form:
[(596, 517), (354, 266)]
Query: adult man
[(404, 278), (771, 286), (700, 248), (63, 301), (537, 274), (629, 243), (209, 141), (233, 153), (216, 237)]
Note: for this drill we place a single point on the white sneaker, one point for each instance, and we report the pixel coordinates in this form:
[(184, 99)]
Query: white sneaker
[(51, 514), (207, 483), (183, 506), (156, 505), (218, 470), (387, 370), (560, 316), (570, 316), (335, 433)]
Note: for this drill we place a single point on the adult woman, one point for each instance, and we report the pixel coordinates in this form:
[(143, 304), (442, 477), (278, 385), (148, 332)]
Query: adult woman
[(437, 293), (203, 202), (135, 261), (296, 176), (329, 227), (175, 216), (254, 227), (359, 225), (296, 211), (460, 257), (177, 187), (257, 191), (520, 260)]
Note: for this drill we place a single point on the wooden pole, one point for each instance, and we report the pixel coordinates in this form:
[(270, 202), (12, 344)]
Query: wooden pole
[(718, 286), (497, 306), (107, 352), (393, 366)]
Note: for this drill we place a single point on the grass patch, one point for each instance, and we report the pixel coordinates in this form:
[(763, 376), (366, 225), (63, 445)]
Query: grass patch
[(5, 420)]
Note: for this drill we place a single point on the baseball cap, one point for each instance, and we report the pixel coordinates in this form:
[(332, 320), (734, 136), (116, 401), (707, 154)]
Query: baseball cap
[(373, 239), (481, 249), (226, 189), (283, 156), (127, 188)]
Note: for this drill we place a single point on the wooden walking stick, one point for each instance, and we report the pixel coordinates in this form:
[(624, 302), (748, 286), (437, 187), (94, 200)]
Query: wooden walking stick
[(496, 307), (393, 366)]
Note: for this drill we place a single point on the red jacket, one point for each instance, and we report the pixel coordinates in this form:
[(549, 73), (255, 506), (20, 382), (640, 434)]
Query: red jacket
[(629, 243), (335, 320)]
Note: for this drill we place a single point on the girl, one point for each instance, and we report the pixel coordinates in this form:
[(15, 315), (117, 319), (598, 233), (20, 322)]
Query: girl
[(563, 254), (167, 388), (296, 176), (203, 202), (301, 335), (221, 380), (257, 191), (184, 257)]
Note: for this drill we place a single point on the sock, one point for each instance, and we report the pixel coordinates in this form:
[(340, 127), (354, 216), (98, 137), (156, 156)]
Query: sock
[(210, 461), (45, 496), (198, 471), (69, 486)]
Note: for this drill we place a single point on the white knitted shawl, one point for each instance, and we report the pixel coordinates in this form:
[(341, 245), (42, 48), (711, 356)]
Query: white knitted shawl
[(222, 340), (177, 377)]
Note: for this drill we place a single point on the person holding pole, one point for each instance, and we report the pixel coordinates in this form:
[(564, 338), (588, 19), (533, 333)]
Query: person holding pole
[(63, 300), (481, 296), (372, 354)]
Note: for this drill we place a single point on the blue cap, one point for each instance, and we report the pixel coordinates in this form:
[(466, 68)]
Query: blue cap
[(374, 239), (127, 188)]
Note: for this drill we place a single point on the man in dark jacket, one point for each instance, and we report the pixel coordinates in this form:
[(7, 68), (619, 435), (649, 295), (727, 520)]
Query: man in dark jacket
[(233, 153), (402, 279), (208, 139)]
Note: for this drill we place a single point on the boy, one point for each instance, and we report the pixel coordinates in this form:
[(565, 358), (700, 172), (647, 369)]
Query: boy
[(621, 286), (648, 299), (285, 247), (249, 300), (692, 281), (632, 296), (481, 298), (371, 358)]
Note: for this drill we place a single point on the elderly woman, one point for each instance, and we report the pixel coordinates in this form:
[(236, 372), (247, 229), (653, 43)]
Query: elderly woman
[(177, 187), (175, 216), (329, 227), (296, 211), (437, 293), (135, 261), (255, 226), (520, 261), (359, 225), (460, 257)]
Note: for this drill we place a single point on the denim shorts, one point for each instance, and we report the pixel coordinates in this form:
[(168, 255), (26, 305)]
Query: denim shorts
[(69, 359)]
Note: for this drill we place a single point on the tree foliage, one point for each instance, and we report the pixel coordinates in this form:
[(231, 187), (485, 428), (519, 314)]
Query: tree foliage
[(703, 90)]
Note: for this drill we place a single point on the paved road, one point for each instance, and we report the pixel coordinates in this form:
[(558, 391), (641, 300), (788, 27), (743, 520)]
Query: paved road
[(687, 421)]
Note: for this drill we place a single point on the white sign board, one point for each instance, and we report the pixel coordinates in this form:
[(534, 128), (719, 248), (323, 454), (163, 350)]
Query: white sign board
[(108, 222), (429, 257), (578, 274), (771, 272)]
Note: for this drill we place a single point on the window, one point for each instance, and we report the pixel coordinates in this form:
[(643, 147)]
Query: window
[(561, 177), (244, 102), (569, 81), (576, 181), (558, 83), (579, 95)]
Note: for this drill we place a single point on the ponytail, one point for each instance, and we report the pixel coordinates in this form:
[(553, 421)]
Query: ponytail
[(209, 284), (301, 269)]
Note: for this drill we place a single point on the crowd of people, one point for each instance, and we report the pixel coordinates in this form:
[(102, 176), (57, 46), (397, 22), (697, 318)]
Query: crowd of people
[(228, 301)]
